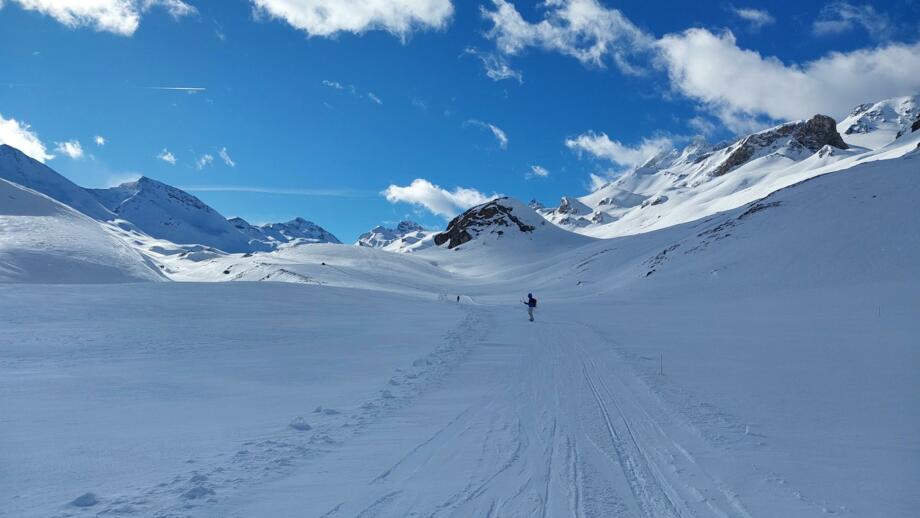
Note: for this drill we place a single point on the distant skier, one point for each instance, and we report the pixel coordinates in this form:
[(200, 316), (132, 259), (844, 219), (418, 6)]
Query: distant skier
[(458, 299), (531, 305)]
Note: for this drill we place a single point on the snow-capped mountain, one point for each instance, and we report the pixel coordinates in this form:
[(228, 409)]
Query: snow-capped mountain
[(503, 219), (23, 170), (165, 212), (45, 241), (381, 237), (875, 125), (677, 186), (273, 235)]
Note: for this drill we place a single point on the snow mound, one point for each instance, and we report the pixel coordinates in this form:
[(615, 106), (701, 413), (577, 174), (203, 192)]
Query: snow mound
[(45, 241)]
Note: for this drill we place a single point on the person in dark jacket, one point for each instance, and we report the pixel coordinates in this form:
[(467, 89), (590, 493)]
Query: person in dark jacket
[(531, 305)]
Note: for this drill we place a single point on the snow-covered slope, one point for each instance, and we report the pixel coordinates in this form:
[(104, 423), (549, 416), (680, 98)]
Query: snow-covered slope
[(274, 235), (45, 241), (680, 186), (165, 212), (757, 362), (23, 170), (876, 125)]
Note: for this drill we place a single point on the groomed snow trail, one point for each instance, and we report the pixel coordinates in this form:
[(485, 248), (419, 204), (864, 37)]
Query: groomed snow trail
[(537, 420)]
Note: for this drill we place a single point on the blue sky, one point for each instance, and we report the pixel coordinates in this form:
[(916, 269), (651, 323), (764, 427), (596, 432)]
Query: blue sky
[(322, 108)]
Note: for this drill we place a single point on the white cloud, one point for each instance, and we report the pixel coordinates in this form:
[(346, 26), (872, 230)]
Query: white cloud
[(538, 171), (840, 17), (116, 16), (436, 199), (497, 132), (167, 157), (496, 65), (21, 136), (204, 161), (738, 84), (602, 147), (583, 29), (225, 156), (99, 140), (374, 98), (757, 18), (71, 148), (333, 84), (329, 17)]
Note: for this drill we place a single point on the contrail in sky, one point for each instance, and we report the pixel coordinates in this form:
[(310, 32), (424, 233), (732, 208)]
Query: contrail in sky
[(177, 88)]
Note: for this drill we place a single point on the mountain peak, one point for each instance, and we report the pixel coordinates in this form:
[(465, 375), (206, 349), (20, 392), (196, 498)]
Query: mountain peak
[(381, 236), (496, 217)]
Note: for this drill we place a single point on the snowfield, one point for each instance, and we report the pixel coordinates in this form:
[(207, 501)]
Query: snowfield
[(759, 362)]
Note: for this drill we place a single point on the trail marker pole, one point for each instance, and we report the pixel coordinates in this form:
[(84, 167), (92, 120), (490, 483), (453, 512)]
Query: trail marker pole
[(661, 364)]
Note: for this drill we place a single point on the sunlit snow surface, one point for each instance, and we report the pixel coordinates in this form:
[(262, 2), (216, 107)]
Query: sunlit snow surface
[(758, 362)]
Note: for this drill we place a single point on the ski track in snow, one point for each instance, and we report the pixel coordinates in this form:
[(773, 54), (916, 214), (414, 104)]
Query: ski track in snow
[(514, 443)]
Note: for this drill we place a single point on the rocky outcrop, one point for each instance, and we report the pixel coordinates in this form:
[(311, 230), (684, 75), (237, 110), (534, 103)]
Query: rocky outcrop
[(916, 125), (810, 135), (495, 217)]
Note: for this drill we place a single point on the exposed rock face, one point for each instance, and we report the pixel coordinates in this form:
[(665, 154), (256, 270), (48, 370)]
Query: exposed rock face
[(916, 125), (495, 217), (810, 135)]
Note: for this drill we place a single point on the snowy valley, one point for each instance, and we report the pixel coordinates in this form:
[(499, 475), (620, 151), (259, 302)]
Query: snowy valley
[(728, 330)]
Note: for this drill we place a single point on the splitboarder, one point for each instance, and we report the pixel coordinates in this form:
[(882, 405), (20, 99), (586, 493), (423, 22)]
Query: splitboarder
[(531, 305)]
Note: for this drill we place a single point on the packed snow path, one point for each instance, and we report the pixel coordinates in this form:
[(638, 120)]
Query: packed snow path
[(538, 420)]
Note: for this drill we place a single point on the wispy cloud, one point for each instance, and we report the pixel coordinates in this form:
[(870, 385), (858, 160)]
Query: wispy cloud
[(71, 148), (756, 18), (351, 89), (496, 65), (603, 147), (538, 171), (497, 132), (22, 137), (100, 140), (841, 17), (225, 156), (167, 157), (204, 161), (336, 193)]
